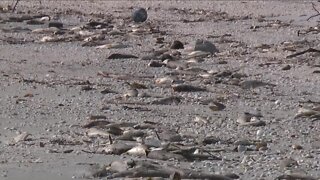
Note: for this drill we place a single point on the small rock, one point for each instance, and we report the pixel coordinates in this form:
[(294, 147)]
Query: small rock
[(140, 15), (287, 67), (177, 45), (242, 148), (58, 25), (296, 147), (205, 46)]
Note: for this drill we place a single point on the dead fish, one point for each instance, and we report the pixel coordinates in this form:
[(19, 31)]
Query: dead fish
[(140, 150), (211, 140), (172, 100), (296, 176), (96, 24), (164, 155), (164, 80), (152, 142), (174, 64), (94, 38), (249, 119), (251, 84), (130, 134), (201, 120), (136, 85), (196, 69), (21, 137), (112, 46), (45, 30), (254, 123), (96, 123), (156, 64), (97, 171), (50, 39), (304, 112), (114, 129), (186, 88), (118, 166), (116, 32), (198, 54), (195, 60), (15, 29), (131, 93), (34, 22), (94, 132), (216, 106), (169, 135), (288, 162), (146, 125), (85, 33), (121, 56), (117, 148), (150, 57)]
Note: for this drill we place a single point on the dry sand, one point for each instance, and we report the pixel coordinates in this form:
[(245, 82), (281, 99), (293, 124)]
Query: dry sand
[(41, 84)]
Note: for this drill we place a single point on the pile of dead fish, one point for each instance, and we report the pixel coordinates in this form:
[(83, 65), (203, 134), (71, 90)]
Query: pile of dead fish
[(152, 169), (147, 139)]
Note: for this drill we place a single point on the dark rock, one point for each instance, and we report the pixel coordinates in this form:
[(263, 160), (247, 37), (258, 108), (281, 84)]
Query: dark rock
[(140, 15), (205, 46), (177, 45), (287, 67), (58, 25)]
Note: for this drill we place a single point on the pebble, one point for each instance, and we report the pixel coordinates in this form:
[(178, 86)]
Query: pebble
[(177, 45), (140, 15), (287, 67), (58, 25), (205, 46), (296, 147), (241, 148)]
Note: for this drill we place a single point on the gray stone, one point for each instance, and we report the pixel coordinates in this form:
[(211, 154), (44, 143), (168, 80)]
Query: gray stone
[(205, 46), (140, 15)]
